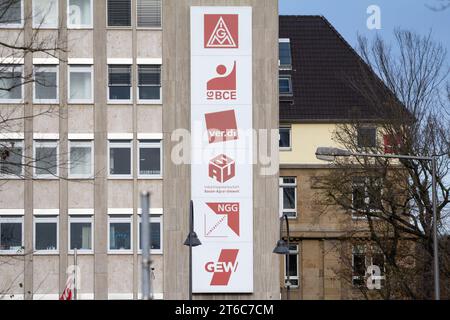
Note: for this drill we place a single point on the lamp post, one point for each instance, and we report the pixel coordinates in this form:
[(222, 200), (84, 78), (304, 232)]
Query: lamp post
[(146, 258), (192, 240), (283, 248), (329, 154)]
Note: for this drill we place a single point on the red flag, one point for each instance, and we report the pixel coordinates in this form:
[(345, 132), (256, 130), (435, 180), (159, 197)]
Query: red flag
[(68, 292)]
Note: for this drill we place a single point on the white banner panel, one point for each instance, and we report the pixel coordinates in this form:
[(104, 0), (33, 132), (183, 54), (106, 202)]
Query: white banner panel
[(222, 148)]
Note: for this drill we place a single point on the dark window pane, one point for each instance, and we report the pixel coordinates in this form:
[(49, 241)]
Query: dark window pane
[(119, 13), (285, 53), (359, 268), (155, 235), (46, 233), (378, 260), (46, 85), (288, 198), (293, 272), (149, 161), (149, 93), (10, 236), (120, 161), (367, 137), (10, 12), (359, 196), (119, 82), (285, 137), (10, 158), (119, 93), (11, 83), (46, 160), (149, 13), (80, 235), (120, 236)]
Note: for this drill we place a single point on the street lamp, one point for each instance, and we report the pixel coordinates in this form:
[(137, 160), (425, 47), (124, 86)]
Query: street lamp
[(329, 154), (192, 240), (283, 248)]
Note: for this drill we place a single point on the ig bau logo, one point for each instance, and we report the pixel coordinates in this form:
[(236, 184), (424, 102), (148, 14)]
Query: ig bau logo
[(374, 20), (375, 277)]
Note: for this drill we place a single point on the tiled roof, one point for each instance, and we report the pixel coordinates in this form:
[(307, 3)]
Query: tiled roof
[(324, 71)]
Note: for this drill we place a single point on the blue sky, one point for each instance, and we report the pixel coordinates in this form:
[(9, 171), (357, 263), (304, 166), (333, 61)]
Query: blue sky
[(349, 16)]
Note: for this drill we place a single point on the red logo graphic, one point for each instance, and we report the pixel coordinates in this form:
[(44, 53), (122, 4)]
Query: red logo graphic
[(230, 211), (221, 31), (221, 126), (222, 168), (223, 87), (223, 268)]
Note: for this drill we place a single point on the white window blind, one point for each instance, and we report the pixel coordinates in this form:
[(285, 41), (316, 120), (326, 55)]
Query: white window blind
[(149, 13)]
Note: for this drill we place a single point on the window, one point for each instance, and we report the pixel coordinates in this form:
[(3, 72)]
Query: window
[(81, 159), (120, 234), (119, 13), (149, 83), (120, 158), (150, 158), (45, 158), (285, 137), (149, 13), (45, 13), (45, 84), (288, 196), (155, 234), (11, 234), (11, 86), (285, 53), (11, 13), (366, 195), (367, 137), (292, 268), (119, 83), (80, 84), (11, 153), (285, 84), (46, 234), (80, 233), (79, 14), (362, 257)]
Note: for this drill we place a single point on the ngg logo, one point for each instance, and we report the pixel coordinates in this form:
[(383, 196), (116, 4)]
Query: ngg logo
[(223, 268)]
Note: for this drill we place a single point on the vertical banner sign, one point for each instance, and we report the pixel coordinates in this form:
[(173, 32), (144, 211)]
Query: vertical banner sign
[(222, 148)]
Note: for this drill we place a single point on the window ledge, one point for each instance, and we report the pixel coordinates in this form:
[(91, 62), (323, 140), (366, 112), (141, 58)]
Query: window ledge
[(120, 252), (45, 253), (151, 102), (285, 148)]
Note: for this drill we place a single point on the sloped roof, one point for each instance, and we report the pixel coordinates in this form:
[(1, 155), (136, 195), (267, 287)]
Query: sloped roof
[(324, 70)]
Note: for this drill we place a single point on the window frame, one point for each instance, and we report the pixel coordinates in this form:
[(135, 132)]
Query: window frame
[(45, 101), (22, 92), (355, 215), (80, 219), (291, 90), (289, 127), (46, 219), (43, 26), (83, 68), (280, 65), (150, 145), (368, 261), (375, 137), (12, 176), (119, 27), (295, 252), (45, 143), (120, 144), (120, 219), (282, 184), (120, 101), (153, 219), (81, 26), (82, 143), (13, 219), (149, 28), (148, 101), (15, 25)]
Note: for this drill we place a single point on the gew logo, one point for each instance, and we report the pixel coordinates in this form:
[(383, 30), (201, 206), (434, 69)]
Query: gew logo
[(223, 268)]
